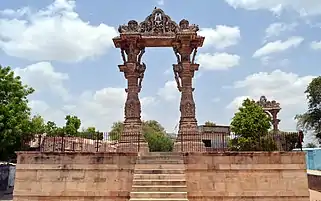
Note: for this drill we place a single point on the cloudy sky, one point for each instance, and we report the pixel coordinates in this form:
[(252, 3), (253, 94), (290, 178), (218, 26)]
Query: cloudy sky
[(64, 50)]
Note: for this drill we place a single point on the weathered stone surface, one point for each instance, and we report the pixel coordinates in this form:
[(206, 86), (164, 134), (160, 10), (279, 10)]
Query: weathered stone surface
[(229, 176), (314, 180), (246, 176), (74, 176)]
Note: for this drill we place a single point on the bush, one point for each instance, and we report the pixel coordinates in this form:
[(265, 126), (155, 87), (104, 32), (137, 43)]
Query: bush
[(265, 143)]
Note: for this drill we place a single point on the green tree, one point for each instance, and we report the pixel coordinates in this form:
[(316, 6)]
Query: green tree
[(154, 133), (37, 125), (311, 119), (209, 123), (116, 129), (156, 137), (73, 123), (14, 113), (51, 128), (250, 125)]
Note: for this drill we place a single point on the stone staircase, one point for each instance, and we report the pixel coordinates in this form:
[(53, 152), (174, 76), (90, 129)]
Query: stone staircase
[(159, 177)]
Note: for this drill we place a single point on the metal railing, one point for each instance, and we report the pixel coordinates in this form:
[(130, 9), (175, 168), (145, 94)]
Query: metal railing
[(220, 142)]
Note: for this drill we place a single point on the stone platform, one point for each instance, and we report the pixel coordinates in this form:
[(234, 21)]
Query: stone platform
[(229, 176)]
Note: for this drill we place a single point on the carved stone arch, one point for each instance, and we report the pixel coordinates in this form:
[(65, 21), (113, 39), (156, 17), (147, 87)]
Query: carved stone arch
[(271, 108)]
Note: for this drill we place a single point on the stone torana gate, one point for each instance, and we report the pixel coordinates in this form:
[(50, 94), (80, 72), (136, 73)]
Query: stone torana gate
[(158, 30)]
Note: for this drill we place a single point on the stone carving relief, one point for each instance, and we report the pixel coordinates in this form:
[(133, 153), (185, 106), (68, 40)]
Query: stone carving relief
[(132, 106), (177, 69), (263, 102), (157, 23), (187, 105)]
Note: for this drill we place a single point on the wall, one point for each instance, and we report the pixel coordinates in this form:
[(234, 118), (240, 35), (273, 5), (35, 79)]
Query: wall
[(4, 176), (247, 176), (313, 158), (73, 176), (314, 180)]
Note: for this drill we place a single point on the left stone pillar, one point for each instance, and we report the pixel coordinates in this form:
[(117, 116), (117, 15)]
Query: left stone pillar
[(132, 139)]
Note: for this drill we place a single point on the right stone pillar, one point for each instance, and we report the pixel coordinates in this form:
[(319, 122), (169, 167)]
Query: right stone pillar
[(189, 138)]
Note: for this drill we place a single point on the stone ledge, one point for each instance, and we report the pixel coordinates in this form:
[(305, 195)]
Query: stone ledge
[(71, 167), (70, 193), (245, 153), (200, 167), (78, 153), (271, 194)]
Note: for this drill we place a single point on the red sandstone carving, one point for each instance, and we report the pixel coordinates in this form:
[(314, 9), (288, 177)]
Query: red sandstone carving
[(158, 30)]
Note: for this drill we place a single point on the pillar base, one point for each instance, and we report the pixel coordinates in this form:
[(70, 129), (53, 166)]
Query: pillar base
[(189, 146), (133, 147)]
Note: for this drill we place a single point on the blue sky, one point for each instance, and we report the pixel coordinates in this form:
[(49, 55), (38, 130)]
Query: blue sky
[(64, 50)]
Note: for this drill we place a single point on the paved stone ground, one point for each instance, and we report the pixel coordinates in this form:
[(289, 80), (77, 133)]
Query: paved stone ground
[(314, 196)]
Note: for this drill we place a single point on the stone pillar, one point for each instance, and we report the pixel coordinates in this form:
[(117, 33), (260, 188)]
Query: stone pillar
[(189, 138), (132, 138), (275, 120)]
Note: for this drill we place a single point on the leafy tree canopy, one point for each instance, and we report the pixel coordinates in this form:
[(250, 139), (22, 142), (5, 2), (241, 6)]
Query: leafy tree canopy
[(209, 123), (251, 124), (14, 112), (250, 120), (154, 133), (311, 119), (73, 123)]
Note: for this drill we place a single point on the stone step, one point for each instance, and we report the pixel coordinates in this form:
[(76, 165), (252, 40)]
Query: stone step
[(158, 176), (158, 194), (159, 161), (166, 188), (159, 171), (158, 199), (162, 154), (180, 182), (174, 157), (160, 166)]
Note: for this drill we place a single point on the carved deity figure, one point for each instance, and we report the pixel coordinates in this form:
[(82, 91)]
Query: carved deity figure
[(141, 70), (177, 69), (158, 18)]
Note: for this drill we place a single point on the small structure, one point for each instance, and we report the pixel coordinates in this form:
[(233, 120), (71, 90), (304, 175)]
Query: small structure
[(215, 137), (272, 108)]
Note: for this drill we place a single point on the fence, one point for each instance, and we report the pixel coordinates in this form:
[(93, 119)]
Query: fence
[(215, 141), (190, 142), (90, 142)]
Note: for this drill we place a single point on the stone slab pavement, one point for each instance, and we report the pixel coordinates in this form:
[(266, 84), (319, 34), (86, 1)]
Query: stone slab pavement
[(315, 195)]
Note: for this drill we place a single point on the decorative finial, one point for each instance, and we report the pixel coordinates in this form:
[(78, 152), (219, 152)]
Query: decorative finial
[(155, 8)]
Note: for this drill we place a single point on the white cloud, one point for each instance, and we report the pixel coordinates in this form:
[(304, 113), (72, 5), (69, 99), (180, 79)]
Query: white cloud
[(316, 45), (48, 113), (42, 76), (286, 88), (221, 37), (275, 29), (169, 92), (278, 46), (217, 61), (302, 7), (95, 108), (53, 33)]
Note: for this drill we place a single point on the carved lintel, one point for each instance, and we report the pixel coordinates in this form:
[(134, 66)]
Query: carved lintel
[(158, 23)]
